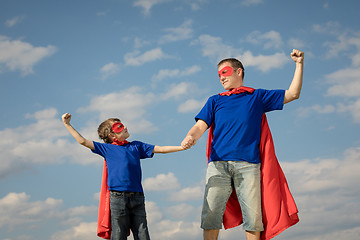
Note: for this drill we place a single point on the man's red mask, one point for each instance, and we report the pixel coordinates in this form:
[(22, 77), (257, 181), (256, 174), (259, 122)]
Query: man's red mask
[(226, 71), (117, 127)]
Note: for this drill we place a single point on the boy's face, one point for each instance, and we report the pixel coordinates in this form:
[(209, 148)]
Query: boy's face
[(120, 132), (230, 78)]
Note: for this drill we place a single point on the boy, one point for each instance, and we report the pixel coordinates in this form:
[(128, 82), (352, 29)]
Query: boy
[(127, 202)]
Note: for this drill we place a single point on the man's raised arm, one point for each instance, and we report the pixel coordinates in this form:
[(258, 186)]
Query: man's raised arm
[(295, 87)]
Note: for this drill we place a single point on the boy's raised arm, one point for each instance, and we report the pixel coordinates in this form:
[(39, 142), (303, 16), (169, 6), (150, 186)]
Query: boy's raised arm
[(80, 139)]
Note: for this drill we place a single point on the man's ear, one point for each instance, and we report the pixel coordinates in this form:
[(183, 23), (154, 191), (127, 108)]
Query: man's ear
[(239, 71)]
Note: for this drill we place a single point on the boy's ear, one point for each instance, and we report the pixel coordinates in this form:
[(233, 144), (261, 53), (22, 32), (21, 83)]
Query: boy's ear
[(111, 136)]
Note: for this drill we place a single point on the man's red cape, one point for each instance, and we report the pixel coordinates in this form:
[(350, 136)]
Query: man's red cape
[(279, 210)]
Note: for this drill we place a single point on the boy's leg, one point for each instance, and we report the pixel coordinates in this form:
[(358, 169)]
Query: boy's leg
[(139, 226), (120, 219)]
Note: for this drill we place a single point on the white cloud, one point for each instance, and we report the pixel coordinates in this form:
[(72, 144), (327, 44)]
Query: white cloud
[(296, 43), (161, 228), (251, 2), (347, 41), (17, 55), (271, 39), (166, 73), (182, 32), (189, 193), (109, 69), (171, 73), (182, 211), (130, 105), (331, 27), (139, 43), (344, 82), (352, 107), (41, 142), (13, 21), (214, 48), (161, 182), (82, 231), (148, 4), (137, 59), (190, 105), (16, 210), (306, 111), (153, 213), (321, 188), (179, 90), (262, 62)]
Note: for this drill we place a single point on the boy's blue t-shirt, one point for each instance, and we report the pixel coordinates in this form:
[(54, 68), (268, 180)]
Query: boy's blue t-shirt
[(123, 164), (236, 121)]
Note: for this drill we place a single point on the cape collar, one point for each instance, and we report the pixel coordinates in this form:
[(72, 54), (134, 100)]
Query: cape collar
[(117, 142), (238, 90)]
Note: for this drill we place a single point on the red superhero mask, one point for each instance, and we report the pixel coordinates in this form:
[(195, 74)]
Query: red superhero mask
[(226, 71), (117, 127)]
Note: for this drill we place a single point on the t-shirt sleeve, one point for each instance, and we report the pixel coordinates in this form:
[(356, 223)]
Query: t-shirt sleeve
[(99, 148), (145, 149), (273, 100), (207, 113)]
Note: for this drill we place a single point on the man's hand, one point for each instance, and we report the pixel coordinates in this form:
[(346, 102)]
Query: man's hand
[(297, 56), (66, 118), (188, 142)]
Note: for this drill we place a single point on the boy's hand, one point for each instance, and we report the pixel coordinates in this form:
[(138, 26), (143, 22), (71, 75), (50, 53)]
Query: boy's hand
[(297, 56), (66, 118)]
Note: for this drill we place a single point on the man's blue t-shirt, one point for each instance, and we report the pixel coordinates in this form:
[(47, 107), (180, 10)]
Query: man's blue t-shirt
[(123, 164), (236, 121)]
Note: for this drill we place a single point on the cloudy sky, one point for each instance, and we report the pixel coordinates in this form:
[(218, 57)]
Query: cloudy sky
[(152, 63)]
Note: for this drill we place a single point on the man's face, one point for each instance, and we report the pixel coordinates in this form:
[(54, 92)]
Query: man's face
[(230, 78)]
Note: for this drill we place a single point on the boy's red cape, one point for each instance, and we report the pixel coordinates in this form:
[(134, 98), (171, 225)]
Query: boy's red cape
[(279, 210), (104, 216)]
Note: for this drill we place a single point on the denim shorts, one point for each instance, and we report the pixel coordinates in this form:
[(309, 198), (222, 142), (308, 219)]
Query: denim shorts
[(128, 212), (221, 178)]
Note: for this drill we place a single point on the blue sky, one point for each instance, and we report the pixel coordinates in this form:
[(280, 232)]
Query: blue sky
[(152, 63)]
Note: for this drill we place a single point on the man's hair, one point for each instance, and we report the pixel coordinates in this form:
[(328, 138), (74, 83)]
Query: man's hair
[(234, 63), (105, 128)]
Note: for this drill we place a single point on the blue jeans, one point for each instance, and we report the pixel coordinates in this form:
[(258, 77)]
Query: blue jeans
[(128, 212), (221, 178)]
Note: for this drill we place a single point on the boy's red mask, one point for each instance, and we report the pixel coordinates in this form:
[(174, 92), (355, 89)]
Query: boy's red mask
[(117, 127), (226, 71)]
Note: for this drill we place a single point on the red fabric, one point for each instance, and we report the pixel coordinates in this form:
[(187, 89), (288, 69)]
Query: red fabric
[(117, 127), (104, 215), (279, 210), (237, 91)]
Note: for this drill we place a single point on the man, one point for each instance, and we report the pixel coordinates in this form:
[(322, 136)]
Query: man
[(234, 162)]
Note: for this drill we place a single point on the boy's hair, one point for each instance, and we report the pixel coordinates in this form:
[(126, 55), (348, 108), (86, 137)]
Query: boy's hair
[(234, 63), (105, 128)]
